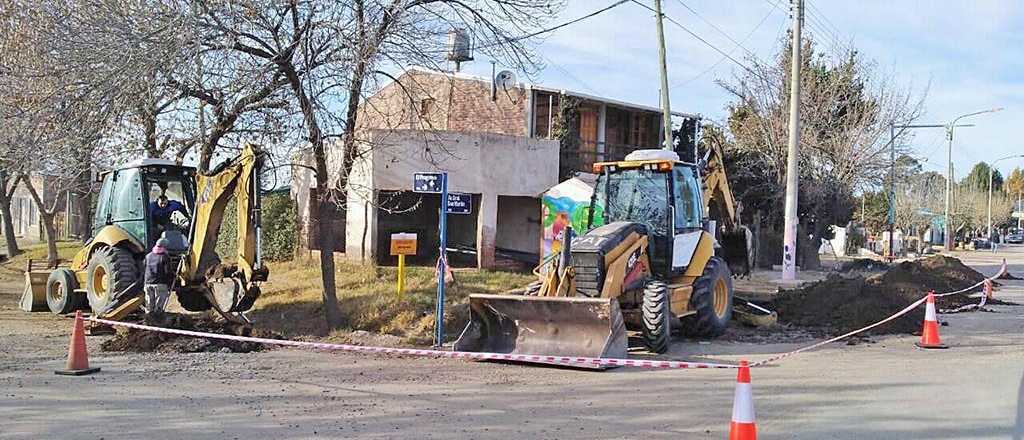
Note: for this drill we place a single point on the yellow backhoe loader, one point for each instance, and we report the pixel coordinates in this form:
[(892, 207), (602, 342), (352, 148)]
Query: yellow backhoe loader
[(660, 259), (106, 274)]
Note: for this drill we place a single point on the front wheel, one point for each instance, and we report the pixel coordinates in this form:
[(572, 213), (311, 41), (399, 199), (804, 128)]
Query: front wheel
[(712, 300), (112, 278), (657, 317), (60, 291)]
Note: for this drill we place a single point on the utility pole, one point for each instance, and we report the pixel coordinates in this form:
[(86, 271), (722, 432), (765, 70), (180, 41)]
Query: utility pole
[(892, 189), (666, 109), (792, 158), (947, 239)]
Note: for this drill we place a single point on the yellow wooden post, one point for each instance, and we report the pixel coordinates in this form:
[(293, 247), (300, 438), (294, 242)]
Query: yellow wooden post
[(401, 274), (402, 244)]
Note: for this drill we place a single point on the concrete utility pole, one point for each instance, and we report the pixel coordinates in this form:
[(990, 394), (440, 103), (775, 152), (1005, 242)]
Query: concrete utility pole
[(793, 157), (666, 109), (948, 238)]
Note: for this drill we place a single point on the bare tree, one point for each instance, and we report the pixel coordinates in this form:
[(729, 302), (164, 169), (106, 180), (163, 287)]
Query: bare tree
[(847, 105)]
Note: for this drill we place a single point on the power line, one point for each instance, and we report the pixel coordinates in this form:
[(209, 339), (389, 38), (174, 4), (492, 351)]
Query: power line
[(722, 59), (698, 37), (557, 27), (713, 26)]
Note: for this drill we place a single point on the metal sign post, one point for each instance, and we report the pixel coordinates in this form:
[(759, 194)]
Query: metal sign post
[(441, 262), (437, 183)]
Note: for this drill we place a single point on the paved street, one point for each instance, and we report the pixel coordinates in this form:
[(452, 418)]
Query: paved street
[(886, 389)]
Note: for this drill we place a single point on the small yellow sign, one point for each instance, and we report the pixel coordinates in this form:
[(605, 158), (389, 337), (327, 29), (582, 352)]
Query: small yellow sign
[(403, 244)]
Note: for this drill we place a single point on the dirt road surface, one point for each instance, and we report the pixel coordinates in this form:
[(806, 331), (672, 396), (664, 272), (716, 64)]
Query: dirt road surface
[(880, 390)]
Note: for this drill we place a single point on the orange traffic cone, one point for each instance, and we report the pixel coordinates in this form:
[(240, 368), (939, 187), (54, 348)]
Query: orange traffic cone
[(743, 426), (987, 288), (930, 332), (78, 357)]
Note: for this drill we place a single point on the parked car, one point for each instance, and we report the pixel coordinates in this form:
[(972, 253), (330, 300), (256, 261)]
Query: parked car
[(1015, 238), (982, 243)]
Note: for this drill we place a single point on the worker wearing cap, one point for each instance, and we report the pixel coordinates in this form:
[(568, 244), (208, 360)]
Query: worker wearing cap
[(158, 277)]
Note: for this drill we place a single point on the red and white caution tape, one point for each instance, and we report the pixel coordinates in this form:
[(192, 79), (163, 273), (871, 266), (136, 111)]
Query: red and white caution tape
[(578, 361), (557, 360)]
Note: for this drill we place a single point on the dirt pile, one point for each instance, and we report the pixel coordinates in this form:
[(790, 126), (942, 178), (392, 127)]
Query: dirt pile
[(864, 265), (145, 341), (844, 302)]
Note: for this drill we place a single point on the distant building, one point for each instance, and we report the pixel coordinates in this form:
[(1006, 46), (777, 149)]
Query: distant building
[(25, 218), (505, 151)]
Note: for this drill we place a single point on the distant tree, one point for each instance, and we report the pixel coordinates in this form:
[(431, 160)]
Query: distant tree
[(1014, 185), (977, 179)]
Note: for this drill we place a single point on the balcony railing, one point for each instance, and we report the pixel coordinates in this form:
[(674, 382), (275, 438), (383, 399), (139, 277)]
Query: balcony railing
[(582, 159)]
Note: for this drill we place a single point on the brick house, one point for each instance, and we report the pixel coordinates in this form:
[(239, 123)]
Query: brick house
[(505, 149)]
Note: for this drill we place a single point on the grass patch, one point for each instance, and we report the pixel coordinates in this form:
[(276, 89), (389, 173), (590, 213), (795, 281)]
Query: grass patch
[(14, 267), (291, 303)]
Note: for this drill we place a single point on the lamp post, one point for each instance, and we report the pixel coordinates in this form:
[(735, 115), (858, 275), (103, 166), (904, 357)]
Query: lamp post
[(948, 237), (892, 170), (991, 171)]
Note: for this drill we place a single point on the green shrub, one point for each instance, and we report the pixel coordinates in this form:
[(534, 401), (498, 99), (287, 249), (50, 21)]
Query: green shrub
[(279, 228)]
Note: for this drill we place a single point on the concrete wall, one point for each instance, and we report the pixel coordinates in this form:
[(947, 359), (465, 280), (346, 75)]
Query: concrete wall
[(519, 224), (485, 165)]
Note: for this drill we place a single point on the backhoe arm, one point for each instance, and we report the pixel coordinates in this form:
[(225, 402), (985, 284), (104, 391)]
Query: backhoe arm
[(239, 178)]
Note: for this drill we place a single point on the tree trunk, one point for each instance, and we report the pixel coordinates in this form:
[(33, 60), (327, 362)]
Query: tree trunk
[(50, 228), (6, 192), (808, 248), (8, 226), (332, 313)]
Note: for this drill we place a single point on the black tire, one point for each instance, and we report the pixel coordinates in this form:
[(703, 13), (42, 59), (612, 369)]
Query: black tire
[(60, 291), (657, 317), (708, 322), (122, 279)]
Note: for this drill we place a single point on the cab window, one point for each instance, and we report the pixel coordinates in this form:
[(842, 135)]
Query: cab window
[(688, 201)]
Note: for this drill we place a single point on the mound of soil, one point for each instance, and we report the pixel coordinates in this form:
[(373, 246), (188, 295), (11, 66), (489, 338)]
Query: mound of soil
[(1009, 276), (844, 302), (864, 265), (145, 341)]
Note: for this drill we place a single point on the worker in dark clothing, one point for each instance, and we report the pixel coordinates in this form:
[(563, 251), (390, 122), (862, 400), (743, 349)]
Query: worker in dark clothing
[(158, 278), (161, 210)]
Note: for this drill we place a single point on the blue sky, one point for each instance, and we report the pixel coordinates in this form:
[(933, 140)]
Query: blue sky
[(970, 55)]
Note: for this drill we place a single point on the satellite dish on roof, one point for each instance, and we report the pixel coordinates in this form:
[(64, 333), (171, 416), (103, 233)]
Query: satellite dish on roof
[(504, 80)]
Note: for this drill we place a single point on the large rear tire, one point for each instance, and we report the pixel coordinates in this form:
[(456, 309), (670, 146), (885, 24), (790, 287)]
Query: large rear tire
[(657, 317), (60, 292), (712, 300), (113, 277)]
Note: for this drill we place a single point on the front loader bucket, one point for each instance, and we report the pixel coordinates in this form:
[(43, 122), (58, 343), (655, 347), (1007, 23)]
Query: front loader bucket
[(541, 325)]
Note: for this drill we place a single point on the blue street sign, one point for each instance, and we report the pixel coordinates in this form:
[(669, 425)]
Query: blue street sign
[(459, 203), (427, 183)]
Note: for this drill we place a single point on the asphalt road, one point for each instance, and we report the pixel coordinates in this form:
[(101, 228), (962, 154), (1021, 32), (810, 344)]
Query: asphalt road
[(881, 390)]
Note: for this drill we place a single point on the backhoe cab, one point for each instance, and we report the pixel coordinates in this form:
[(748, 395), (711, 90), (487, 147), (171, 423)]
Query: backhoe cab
[(654, 264), (151, 199)]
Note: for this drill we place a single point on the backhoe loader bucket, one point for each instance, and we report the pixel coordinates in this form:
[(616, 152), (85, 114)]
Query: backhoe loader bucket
[(555, 326)]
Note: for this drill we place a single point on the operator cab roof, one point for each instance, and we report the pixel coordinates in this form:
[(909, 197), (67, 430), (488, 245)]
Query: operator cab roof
[(152, 163), (652, 155)]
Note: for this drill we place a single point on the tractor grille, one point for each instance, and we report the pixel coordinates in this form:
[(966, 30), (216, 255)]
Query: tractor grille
[(589, 268)]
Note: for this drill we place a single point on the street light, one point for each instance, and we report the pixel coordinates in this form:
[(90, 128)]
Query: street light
[(948, 239), (991, 170)]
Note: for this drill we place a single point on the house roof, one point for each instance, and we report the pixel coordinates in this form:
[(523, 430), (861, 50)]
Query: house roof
[(529, 86)]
